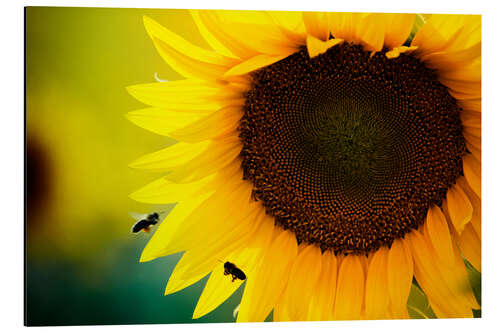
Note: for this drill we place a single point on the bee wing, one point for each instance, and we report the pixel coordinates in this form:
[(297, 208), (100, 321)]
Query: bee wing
[(137, 216), (162, 212)]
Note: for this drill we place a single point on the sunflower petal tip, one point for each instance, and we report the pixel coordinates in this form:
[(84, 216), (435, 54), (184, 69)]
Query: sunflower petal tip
[(147, 21), (145, 257), (396, 52), (197, 314), (153, 28), (316, 46), (169, 289), (130, 117), (132, 90)]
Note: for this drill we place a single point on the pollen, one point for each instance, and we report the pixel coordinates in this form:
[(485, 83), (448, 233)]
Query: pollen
[(349, 150)]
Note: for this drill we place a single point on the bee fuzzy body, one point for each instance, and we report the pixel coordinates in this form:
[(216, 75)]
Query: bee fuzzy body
[(146, 223), (236, 273)]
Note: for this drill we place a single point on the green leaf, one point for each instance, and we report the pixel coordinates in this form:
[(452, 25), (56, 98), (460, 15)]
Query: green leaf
[(475, 283), (418, 305), (419, 22), (475, 280)]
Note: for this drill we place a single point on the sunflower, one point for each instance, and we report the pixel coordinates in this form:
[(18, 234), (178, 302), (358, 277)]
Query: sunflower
[(332, 157)]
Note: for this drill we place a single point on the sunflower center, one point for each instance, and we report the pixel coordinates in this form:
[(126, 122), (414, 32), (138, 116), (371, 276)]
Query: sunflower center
[(349, 150)]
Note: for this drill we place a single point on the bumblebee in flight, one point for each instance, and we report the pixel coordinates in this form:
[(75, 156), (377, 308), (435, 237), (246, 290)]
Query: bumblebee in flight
[(145, 222)]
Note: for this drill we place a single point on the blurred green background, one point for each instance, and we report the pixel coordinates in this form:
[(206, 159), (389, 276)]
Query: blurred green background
[(82, 261)]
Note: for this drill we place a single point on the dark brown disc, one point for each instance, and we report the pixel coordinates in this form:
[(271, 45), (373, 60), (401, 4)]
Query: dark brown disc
[(349, 150)]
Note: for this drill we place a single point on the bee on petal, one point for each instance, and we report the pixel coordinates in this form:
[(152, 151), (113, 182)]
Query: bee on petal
[(236, 273)]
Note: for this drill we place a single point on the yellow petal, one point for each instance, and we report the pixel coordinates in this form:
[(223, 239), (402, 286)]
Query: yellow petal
[(454, 273), (209, 37), (470, 73), (426, 273), (363, 28), (459, 207), (364, 264), (470, 245), (397, 28), (162, 191), (350, 289), (262, 237), (448, 290), (210, 220), (292, 21), (463, 95), (280, 313), (439, 298), (461, 280), (472, 172), (317, 46), (265, 287), (214, 30), (178, 281), (399, 277), (470, 33), (304, 276), (170, 157), (371, 32), (471, 104), (395, 52), (161, 121), (263, 39), (441, 32), (346, 25), (218, 124), (474, 141), (188, 60), (156, 30), (471, 119), (217, 155), (254, 63), (245, 16), (291, 25), (474, 131), (220, 287), (323, 297), (158, 244), (448, 61), (316, 25), (246, 39), (186, 95), (183, 160), (207, 247), (476, 205), (376, 296), (438, 234), (473, 150)]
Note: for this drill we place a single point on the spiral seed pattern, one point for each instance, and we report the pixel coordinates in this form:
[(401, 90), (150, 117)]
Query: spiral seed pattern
[(349, 150)]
